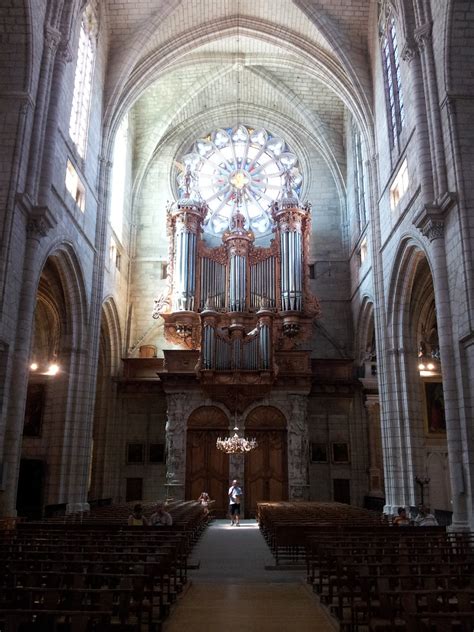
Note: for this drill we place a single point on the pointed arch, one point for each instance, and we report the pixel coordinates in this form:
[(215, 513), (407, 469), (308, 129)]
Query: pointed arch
[(111, 335)]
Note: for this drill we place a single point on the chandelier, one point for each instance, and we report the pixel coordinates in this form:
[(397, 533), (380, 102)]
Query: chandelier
[(236, 444)]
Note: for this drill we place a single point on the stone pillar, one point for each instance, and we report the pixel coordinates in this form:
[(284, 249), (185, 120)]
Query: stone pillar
[(176, 443), (36, 229), (298, 448), (430, 222), (375, 447)]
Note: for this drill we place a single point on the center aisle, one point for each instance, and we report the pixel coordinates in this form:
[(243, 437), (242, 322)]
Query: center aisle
[(232, 590)]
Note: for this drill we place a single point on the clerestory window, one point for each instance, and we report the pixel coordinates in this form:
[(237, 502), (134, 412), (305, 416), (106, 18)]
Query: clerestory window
[(393, 84), (359, 179), (79, 121)]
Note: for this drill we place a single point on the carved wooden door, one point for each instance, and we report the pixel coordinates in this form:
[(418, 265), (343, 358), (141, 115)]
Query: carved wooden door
[(207, 468), (266, 467)]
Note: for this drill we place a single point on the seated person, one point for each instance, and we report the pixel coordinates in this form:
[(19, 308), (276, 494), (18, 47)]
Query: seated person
[(161, 518), (137, 519), (425, 518), (402, 520), (205, 500)]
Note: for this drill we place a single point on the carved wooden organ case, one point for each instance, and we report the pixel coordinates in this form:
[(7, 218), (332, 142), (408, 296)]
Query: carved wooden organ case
[(238, 302)]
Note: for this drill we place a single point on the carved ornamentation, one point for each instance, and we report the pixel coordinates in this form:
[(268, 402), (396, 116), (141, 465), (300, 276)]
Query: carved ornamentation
[(52, 37), (256, 255), (409, 52), (182, 329), (431, 218), (65, 53), (298, 442), (219, 254), (423, 34), (36, 227)]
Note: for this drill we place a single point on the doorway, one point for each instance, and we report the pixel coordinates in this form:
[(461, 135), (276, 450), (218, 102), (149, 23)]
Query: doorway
[(207, 468), (266, 467), (29, 499)]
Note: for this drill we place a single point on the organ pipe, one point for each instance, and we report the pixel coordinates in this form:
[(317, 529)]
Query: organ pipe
[(291, 271)]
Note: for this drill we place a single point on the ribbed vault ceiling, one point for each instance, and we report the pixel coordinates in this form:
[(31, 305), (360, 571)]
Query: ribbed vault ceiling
[(222, 74)]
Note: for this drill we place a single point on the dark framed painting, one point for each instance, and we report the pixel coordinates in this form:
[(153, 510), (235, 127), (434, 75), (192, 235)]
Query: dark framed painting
[(340, 453), (156, 453), (434, 398), (35, 398), (135, 453), (319, 453)]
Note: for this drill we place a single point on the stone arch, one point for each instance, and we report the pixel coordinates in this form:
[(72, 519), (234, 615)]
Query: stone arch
[(58, 337), (292, 135), (365, 332), (412, 303), (314, 127), (457, 22), (110, 325), (313, 60), (103, 428), (63, 257)]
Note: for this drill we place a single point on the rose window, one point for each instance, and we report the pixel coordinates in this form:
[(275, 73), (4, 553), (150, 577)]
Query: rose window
[(246, 166)]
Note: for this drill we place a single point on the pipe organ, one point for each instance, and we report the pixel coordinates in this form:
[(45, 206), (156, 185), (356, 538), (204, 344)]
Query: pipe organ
[(237, 301)]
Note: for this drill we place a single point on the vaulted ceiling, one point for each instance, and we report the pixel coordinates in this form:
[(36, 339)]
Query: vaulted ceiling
[(186, 68)]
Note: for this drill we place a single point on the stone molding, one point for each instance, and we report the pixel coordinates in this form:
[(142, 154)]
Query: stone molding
[(52, 37), (423, 34), (431, 218), (39, 219), (409, 52)]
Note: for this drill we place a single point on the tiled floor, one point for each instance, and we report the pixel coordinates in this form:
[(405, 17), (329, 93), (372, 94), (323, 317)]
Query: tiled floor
[(232, 591)]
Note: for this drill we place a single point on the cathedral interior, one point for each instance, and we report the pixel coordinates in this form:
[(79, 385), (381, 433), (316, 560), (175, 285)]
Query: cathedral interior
[(237, 217)]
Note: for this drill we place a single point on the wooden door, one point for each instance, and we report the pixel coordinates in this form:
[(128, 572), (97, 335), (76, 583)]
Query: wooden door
[(266, 467), (207, 468)]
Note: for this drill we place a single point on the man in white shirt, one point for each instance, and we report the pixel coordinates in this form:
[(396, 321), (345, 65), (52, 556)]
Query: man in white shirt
[(425, 518), (235, 496), (161, 518)]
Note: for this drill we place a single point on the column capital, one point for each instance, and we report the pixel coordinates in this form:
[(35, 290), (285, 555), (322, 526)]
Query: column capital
[(409, 52), (371, 401), (39, 219), (65, 53), (423, 34), (431, 218), (52, 37)]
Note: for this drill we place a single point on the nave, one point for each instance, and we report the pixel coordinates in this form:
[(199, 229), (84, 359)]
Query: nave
[(234, 588)]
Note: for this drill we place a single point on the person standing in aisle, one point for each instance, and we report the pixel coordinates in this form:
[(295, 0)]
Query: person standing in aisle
[(235, 498)]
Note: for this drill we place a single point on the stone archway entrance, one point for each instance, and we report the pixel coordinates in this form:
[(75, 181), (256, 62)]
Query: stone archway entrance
[(207, 468), (266, 467)]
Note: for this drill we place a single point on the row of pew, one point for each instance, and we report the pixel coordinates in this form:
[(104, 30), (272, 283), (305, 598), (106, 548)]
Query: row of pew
[(95, 574), (286, 525), (377, 578)]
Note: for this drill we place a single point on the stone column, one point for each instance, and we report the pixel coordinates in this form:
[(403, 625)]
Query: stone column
[(375, 447), (298, 448), (176, 443), (430, 222), (36, 229)]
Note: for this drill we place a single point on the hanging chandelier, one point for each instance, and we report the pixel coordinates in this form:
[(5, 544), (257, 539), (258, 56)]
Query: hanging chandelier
[(236, 444)]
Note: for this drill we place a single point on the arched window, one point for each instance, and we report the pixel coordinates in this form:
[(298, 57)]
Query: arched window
[(359, 180), (393, 84), (119, 178), (79, 122)]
